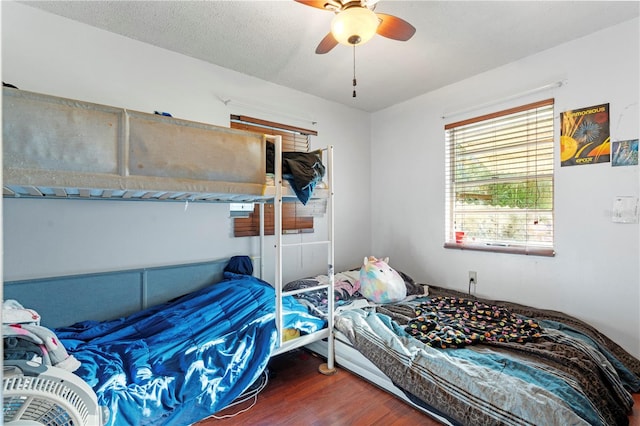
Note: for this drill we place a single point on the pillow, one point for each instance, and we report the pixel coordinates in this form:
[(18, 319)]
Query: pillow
[(380, 283)]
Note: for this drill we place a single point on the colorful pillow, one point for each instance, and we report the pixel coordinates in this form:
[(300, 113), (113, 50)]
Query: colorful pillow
[(380, 283)]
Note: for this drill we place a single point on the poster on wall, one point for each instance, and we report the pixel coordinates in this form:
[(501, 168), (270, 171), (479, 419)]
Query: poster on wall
[(624, 153), (584, 136)]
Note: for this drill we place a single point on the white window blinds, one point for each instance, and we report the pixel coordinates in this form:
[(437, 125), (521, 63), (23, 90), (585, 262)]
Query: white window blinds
[(499, 181), (293, 138), (296, 218)]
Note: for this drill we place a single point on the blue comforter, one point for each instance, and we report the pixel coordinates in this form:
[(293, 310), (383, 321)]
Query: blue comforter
[(182, 361)]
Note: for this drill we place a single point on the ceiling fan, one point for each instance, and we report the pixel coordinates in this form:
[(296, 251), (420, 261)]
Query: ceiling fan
[(356, 23)]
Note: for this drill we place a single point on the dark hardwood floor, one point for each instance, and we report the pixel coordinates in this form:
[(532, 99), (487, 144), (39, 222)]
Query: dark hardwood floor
[(297, 394)]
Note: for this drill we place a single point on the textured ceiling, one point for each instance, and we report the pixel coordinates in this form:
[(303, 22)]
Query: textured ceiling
[(276, 40)]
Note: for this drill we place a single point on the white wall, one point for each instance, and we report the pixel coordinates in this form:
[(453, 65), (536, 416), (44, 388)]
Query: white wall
[(595, 273), (45, 53)]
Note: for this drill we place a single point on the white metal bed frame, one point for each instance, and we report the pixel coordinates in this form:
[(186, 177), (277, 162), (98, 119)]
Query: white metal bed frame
[(51, 146)]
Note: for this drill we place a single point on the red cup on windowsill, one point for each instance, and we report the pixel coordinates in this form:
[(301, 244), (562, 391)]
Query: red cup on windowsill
[(459, 237)]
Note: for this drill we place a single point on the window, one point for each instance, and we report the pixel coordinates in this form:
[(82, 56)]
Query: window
[(296, 217), (499, 181)]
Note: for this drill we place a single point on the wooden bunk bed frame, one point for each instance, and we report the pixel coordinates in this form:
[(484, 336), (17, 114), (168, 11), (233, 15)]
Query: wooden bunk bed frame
[(63, 148)]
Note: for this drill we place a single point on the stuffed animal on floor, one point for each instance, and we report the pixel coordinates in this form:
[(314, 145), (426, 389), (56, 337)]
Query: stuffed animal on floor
[(380, 283)]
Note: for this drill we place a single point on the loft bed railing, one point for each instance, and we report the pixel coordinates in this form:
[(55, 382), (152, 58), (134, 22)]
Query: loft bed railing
[(63, 148)]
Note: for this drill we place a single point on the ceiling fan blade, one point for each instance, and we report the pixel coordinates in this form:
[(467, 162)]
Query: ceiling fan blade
[(327, 43), (395, 28), (314, 3), (369, 3)]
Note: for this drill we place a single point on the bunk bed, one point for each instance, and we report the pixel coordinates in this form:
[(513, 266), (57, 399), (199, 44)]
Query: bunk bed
[(440, 351), (63, 148)]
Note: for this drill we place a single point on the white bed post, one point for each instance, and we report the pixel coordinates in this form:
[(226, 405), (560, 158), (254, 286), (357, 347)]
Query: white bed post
[(329, 367), (277, 214), (261, 240)]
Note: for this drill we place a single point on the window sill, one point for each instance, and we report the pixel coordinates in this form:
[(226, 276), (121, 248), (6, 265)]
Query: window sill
[(509, 249)]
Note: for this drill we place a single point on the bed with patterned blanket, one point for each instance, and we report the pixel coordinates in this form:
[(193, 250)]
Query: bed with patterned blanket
[(473, 361)]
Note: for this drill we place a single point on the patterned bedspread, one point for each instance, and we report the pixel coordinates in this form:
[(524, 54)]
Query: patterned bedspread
[(554, 370)]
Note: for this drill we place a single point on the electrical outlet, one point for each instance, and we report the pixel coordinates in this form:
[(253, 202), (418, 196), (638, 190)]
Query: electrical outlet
[(473, 277)]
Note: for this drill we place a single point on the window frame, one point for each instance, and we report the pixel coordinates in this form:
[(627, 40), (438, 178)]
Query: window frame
[(296, 217), (532, 245)]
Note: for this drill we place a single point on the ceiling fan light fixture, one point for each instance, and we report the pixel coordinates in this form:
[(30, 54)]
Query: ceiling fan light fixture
[(355, 25)]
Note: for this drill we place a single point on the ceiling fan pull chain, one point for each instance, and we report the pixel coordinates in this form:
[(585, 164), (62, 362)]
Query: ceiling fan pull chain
[(354, 71)]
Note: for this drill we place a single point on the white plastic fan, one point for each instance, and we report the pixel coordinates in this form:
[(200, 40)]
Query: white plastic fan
[(35, 394)]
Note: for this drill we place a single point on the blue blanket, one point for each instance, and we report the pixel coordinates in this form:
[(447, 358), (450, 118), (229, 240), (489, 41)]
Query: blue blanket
[(179, 362)]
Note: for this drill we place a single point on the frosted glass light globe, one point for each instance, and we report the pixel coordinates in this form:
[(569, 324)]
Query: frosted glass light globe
[(355, 25)]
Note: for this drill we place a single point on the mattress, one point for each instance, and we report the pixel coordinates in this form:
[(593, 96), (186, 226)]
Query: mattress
[(567, 374), (178, 362), (58, 147)]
